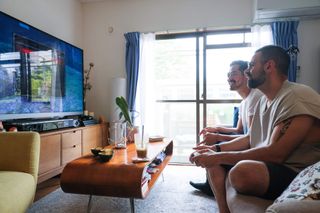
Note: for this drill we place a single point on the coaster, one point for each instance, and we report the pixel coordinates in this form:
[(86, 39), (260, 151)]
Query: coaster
[(156, 138), (138, 160)]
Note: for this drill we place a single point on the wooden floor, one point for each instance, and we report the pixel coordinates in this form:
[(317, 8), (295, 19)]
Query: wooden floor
[(47, 187)]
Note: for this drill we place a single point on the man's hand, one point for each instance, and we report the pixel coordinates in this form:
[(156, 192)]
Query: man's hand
[(203, 147), (210, 138), (198, 153), (205, 158), (209, 130), (193, 155)]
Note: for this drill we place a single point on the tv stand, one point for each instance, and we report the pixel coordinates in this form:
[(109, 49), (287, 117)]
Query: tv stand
[(59, 147)]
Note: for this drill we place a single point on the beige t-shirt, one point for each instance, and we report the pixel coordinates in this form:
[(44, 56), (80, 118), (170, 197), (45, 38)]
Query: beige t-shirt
[(293, 99)]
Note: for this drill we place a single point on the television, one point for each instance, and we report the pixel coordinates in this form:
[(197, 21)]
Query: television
[(41, 76)]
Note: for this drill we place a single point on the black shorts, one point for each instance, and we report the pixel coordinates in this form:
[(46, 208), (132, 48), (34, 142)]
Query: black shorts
[(280, 178)]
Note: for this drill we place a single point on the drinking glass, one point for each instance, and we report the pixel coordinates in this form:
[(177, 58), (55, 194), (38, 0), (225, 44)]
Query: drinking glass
[(117, 136), (141, 141)]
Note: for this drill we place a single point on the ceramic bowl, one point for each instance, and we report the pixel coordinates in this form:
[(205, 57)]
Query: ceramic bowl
[(95, 151), (105, 155)]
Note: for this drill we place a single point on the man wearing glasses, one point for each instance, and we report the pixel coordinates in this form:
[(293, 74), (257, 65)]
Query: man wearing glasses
[(212, 135)]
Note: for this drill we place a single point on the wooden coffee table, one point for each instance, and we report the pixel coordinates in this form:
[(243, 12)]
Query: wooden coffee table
[(119, 177)]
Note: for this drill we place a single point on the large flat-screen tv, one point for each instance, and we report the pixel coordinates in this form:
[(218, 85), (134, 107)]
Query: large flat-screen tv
[(41, 76)]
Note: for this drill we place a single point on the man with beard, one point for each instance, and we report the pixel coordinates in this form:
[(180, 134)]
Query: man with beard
[(283, 140), (212, 135)]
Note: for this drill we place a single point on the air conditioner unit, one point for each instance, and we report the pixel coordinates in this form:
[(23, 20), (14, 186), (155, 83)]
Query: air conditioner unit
[(273, 10)]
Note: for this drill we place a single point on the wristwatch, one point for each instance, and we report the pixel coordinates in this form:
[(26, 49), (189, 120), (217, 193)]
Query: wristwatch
[(218, 148)]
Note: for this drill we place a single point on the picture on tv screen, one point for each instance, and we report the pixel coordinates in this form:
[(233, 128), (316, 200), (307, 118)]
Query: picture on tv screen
[(40, 75)]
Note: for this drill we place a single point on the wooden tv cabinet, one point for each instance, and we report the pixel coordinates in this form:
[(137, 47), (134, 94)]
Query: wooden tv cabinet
[(62, 146)]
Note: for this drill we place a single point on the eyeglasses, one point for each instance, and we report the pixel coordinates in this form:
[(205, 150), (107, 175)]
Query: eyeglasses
[(234, 73)]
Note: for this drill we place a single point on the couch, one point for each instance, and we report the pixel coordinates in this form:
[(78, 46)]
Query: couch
[(19, 163), (295, 199)]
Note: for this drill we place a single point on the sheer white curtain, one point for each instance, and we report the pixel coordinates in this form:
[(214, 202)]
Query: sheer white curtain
[(145, 99), (261, 36)]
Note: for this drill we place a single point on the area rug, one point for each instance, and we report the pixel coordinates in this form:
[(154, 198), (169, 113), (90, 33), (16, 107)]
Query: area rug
[(171, 194)]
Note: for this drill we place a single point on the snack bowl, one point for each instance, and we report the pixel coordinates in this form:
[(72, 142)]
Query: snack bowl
[(95, 151), (105, 155)]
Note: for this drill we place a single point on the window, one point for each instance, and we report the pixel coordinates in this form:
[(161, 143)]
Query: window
[(190, 86)]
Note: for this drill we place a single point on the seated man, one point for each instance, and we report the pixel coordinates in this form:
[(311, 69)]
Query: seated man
[(211, 135), (284, 137)]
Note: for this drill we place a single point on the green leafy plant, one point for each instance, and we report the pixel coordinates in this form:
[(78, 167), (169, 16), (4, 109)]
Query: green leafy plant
[(123, 106)]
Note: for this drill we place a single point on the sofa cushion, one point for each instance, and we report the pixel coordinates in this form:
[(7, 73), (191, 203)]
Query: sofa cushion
[(297, 206), (17, 191), (244, 203), (305, 186)]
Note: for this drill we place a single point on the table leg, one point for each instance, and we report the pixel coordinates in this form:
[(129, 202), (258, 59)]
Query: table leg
[(132, 204), (89, 204)]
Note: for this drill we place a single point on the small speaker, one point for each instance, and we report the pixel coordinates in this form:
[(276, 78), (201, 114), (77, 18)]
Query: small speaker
[(76, 123)]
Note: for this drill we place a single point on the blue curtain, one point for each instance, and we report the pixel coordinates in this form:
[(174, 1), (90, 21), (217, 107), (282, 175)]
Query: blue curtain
[(132, 66), (285, 35)]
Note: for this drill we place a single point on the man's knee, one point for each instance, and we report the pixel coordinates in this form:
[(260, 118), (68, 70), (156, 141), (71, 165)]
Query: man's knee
[(243, 175), (216, 173)]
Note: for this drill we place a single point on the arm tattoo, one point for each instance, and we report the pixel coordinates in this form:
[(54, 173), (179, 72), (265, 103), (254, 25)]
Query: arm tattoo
[(285, 126)]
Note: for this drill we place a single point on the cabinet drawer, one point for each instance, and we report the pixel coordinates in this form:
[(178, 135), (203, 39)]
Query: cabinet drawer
[(71, 146), (91, 137), (50, 153)]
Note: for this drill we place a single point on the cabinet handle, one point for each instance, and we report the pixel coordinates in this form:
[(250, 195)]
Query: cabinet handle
[(74, 146)]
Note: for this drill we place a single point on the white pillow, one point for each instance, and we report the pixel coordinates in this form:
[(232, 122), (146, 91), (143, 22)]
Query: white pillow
[(305, 186)]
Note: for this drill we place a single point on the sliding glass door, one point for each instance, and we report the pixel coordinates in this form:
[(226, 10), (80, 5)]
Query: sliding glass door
[(190, 83)]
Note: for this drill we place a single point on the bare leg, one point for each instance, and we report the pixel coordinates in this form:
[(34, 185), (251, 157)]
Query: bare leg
[(217, 176), (250, 177)]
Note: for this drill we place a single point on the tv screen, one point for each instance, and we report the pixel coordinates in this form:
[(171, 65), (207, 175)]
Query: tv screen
[(41, 76)]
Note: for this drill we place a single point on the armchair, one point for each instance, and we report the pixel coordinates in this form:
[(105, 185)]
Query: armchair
[(19, 164)]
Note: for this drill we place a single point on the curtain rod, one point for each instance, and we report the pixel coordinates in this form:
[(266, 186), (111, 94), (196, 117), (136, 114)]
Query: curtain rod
[(270, 20), (215, 29), (202, 29)]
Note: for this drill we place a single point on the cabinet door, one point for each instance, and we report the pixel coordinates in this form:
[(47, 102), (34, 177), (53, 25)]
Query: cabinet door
[(91, 137), (50, 153), (71, 146)]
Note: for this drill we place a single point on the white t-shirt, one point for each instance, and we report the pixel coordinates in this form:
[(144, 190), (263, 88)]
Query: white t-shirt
[(247, 107)]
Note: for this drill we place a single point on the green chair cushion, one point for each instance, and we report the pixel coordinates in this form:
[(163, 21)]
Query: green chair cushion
[(17, 191)]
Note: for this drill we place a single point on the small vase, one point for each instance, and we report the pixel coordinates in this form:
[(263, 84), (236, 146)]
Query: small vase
[(131, 130), (130, 133)]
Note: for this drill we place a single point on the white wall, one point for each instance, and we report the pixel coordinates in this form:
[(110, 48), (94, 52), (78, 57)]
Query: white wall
[(61, 18), (107, 50), (309, 56)]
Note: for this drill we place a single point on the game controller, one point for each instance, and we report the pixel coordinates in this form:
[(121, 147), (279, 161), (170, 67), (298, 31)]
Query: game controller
[(195, 154)]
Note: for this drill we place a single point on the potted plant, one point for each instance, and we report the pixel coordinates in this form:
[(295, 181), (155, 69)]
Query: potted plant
[(125, 114)]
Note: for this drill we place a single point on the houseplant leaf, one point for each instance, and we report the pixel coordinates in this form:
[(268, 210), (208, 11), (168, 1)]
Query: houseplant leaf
[(123, 105)]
